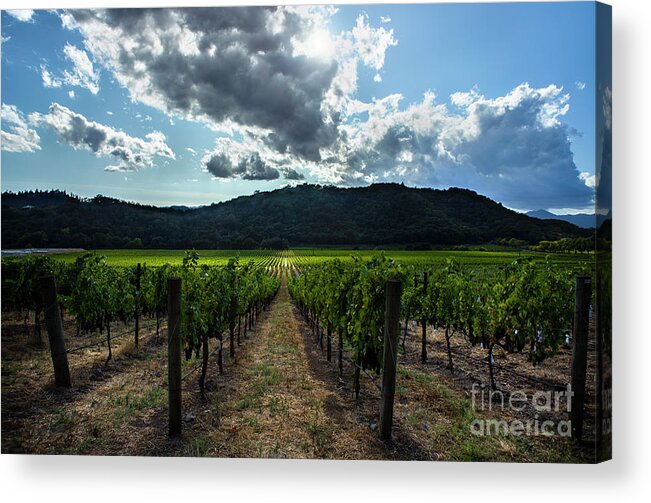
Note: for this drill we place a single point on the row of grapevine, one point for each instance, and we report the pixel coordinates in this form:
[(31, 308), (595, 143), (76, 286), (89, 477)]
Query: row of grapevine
[(20, 288), (348, 298), (216, 299), (95, 293), (521, 307)]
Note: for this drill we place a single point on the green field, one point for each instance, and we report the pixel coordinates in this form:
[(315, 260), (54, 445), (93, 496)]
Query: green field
[(310, 256), (161, 257)]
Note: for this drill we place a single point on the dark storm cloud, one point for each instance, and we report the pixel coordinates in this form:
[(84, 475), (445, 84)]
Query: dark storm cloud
[(220, 166), (254, 168), (292, 174), (248, 168), (219, 64)]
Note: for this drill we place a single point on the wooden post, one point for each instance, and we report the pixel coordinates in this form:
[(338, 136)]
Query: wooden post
[(391, 329), (583, 295), (54, 326), (137, 313), (35, 337), (174, 354), (356, 379), (329, 343), (423, 352), (321, 337), (340, 357)]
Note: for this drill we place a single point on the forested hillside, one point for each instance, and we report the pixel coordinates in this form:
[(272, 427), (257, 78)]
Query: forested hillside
[(377, 215)]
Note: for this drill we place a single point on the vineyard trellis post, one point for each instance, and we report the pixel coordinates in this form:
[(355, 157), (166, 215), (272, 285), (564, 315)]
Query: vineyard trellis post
[(340, 356), (423, 353), (174, 355), (137, 312), (54, 325), (329, 343), (583, 296), (391, 329)]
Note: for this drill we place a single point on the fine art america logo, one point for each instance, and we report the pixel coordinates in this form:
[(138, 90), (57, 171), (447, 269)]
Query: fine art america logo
[(540, 402)]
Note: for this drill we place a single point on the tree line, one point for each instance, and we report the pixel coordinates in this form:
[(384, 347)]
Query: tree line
[(306, 215)]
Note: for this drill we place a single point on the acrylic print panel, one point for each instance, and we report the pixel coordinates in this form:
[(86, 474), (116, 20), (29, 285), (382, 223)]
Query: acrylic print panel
[(354, 232)]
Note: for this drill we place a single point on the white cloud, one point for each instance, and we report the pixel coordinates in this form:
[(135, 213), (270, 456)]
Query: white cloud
[(385, 19), (71, 94), (463, 99), (371, 43), (362, 45), (580, 85), (82, 74), (130, 153), (48, 79), (513, 148), (18, 136), (588, 179), (24, 15)]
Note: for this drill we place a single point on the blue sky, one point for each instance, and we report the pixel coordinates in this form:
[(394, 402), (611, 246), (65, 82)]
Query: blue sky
[(182, 107)]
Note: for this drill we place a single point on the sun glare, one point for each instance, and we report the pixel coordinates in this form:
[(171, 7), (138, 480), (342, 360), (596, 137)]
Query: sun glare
[(318, 44)]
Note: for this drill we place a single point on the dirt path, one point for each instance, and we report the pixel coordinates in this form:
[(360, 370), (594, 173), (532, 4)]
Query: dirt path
[(283, 405)]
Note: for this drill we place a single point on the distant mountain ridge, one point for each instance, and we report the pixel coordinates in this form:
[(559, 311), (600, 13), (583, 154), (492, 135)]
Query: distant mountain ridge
[(583, 220), (304, 215)]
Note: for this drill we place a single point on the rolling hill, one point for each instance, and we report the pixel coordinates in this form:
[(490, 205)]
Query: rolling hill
[(584, 220), (304, 215)]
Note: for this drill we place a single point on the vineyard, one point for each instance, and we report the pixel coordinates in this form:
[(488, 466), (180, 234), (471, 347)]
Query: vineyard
[(284, 354), (315, 256)]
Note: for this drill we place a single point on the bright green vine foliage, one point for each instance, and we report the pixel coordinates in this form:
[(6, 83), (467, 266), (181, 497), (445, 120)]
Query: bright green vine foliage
[(214, 297), (351, 297), (101, 294), (524, 306)]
